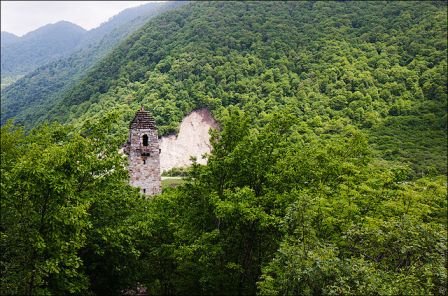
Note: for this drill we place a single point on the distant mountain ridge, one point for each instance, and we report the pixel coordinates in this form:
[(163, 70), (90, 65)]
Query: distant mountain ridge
[(8, 38), (28, 95), (22, 55), (39, 47), (48, 29)]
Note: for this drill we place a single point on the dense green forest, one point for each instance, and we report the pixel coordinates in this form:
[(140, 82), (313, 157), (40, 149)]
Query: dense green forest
[(49, 81), (327, 176), (379, 66)]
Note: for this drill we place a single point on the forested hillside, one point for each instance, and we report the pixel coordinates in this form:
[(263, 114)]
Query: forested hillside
[(39, 47), (45, 84), (22, 55), (379, 66), (327, 176)]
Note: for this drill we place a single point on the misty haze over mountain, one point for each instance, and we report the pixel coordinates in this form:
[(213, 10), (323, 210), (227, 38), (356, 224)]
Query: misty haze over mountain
[(22, 55)]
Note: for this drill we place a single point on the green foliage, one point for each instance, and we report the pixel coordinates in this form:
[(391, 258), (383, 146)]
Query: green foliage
[(327, 176), (361, 243), (60, 191), (172, 182), (278, 211), (177, 172), (8, 79), (377, 65), (29, 98)]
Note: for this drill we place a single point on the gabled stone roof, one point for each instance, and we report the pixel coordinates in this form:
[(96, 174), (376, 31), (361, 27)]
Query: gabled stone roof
[(143, 120)]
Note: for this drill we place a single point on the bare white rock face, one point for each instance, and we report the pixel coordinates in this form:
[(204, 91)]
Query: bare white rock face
[(193, 139)]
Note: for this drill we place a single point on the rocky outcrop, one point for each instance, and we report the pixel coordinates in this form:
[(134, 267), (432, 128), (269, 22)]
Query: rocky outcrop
[(193, 139)]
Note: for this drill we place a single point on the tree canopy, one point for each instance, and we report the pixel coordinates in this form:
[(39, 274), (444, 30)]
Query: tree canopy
[(378, 65), (327, 175)]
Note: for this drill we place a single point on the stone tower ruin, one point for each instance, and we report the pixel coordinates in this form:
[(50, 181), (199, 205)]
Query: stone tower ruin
[(143, 153)]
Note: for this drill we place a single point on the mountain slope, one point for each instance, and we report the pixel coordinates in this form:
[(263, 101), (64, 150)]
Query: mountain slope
[(324, 178), (192, 140), (8, 38), (380, 66), (132, 17), (40, 46), (47, 82)]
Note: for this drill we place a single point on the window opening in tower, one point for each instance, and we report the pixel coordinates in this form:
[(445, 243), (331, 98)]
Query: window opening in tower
[(145, 140)]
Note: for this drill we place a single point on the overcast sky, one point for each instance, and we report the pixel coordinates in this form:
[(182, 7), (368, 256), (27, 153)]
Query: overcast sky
[(21, 17)]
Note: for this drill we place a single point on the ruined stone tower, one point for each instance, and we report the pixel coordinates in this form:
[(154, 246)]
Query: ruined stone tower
[(143, 153)]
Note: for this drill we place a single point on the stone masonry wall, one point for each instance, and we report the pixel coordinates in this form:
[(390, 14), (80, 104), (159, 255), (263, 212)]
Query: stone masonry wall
[(144, 161)]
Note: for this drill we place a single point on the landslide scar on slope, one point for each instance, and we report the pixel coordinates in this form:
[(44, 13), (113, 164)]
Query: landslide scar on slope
[(193, 139)]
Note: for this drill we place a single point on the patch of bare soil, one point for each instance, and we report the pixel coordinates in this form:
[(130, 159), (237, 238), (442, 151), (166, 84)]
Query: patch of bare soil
[(193, 139)]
